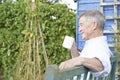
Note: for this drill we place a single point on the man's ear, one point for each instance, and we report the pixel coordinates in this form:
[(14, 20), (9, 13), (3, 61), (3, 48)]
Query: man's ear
[(95, 25)]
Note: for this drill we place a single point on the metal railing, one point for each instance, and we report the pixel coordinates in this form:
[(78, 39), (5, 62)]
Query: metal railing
[(78, 73)]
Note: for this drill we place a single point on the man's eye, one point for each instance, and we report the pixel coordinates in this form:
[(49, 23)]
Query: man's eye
[(80, 25)]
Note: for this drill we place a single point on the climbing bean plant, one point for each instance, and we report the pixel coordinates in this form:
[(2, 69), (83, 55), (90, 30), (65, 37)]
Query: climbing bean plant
[(22, 54)]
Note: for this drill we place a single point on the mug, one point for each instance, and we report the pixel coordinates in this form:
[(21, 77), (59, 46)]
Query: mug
[(68, 42)]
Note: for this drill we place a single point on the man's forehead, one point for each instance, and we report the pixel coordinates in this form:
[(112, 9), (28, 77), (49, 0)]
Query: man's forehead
[(83, 17), (82, 20)]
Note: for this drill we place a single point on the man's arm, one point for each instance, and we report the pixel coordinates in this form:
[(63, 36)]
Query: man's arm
[(93, 64)]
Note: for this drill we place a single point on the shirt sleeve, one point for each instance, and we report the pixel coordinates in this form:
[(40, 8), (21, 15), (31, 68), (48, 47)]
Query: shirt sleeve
[(105, 60)]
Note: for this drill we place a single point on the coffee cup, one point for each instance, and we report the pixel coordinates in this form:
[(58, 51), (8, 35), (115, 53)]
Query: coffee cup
[(68, 42)]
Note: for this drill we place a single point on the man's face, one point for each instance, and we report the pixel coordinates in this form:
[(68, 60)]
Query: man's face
[(85, 28)]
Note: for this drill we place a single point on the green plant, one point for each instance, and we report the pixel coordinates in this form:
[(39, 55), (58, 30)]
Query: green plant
[(21, 51)]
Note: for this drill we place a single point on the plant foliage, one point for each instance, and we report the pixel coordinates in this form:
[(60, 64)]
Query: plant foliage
[(21, 51)]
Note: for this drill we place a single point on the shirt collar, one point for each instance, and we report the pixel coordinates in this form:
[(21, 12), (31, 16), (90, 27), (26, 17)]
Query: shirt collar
[(97, 39)]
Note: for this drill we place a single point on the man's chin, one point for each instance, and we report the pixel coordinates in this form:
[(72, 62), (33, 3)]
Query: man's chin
[(83, 38)]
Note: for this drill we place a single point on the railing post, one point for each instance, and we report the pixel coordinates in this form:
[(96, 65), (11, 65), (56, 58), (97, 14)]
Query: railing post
[(52, 73)]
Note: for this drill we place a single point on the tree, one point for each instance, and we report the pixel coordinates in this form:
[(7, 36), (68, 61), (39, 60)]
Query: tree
[(19, 28)]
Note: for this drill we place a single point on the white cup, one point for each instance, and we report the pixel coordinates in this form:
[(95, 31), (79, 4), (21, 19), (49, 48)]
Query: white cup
[(68, 42)]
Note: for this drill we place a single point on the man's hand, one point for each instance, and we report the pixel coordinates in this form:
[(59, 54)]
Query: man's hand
[(74, 51), (71, 63)]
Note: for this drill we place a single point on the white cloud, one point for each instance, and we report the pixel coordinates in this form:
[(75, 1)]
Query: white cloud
[(70, 3)]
